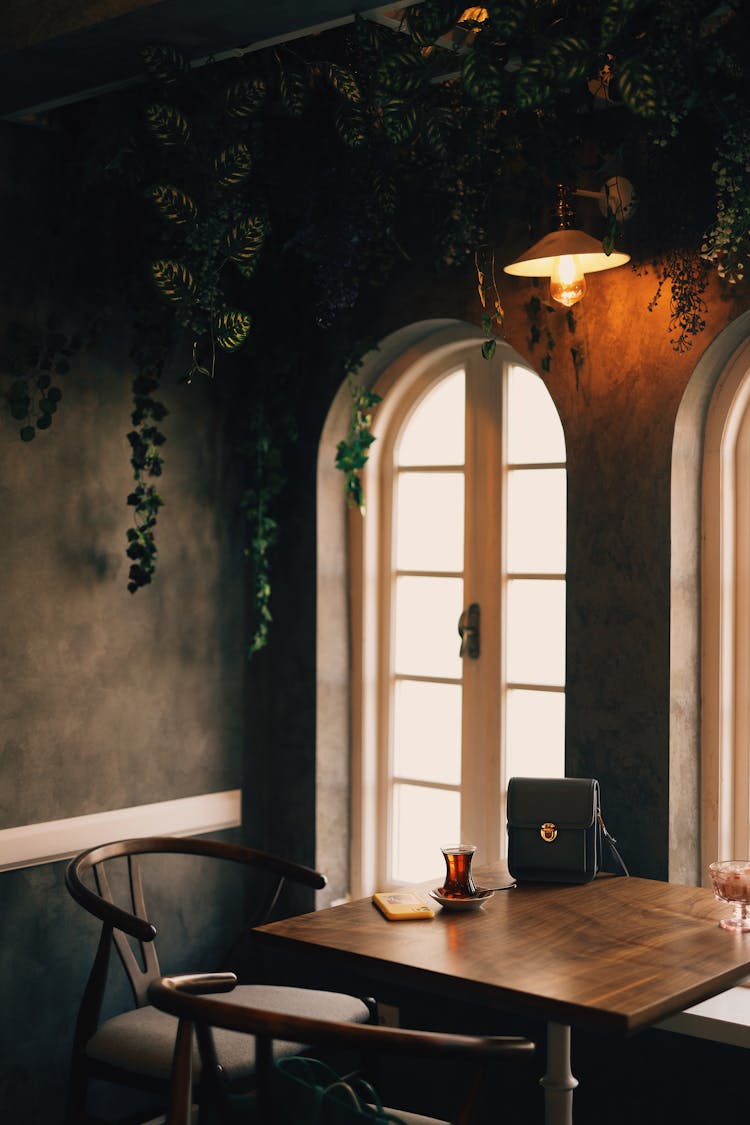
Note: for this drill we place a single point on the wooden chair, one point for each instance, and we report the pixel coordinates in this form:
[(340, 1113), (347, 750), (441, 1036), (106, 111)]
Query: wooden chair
[(135, 1048), (181, 996)]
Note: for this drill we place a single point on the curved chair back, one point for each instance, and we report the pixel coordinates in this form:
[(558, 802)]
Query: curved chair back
[(188, 997), (87, 881), (118, 922)]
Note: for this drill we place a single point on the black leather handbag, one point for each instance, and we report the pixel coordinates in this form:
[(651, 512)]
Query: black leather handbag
[(555, 830)]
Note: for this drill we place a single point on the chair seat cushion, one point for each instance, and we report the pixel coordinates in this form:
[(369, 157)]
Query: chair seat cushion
[(142, 1040)]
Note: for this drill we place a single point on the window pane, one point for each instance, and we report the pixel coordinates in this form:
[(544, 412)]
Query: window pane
[(536, 520), (535, 433), (424, 821), (536, 733), (430, 521), (427, 732), (536, 631), (426, 626), (434, 432)]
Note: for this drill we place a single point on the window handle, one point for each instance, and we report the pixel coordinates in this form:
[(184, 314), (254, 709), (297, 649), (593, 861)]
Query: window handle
[(468, 630)]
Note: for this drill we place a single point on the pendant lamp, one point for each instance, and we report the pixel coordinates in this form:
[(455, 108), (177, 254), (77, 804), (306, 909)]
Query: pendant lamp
[(565, 256)]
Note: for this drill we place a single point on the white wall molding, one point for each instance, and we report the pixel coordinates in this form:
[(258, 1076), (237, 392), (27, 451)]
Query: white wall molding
[(29, 845)]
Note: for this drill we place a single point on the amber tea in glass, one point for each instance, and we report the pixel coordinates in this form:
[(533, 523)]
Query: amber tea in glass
[(458, 879)]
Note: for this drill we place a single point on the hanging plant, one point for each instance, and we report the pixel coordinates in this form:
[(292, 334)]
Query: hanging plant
[(493, 315), (727, 242), (269, 199), (146, 439), (352, 452), (258, 503), (36, 364)]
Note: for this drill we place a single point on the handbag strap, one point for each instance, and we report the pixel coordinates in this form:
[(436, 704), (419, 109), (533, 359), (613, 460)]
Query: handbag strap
[(612, 844)]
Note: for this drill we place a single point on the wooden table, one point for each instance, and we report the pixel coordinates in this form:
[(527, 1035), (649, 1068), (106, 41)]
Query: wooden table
[(616, 955)]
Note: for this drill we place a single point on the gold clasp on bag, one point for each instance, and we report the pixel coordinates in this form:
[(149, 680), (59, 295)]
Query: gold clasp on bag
[(548, 832)]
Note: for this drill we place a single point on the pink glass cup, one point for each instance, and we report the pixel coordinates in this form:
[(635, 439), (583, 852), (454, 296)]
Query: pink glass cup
[(731, 882)]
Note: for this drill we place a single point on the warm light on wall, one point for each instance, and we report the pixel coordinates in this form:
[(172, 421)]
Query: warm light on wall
[(566, 255)]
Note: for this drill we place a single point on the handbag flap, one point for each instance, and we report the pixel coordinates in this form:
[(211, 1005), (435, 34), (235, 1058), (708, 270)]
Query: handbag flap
[(567, 802)]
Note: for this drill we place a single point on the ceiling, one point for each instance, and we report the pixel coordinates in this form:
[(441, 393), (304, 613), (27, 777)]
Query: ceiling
[(56, 51)]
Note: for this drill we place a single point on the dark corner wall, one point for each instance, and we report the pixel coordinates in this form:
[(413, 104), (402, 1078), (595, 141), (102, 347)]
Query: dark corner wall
[(108, 699)]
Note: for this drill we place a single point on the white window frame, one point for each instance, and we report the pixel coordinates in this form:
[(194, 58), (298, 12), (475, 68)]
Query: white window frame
[(725, 616), (409, 374)]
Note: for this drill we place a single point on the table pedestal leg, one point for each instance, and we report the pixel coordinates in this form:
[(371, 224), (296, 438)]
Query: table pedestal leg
[(558, 1082)]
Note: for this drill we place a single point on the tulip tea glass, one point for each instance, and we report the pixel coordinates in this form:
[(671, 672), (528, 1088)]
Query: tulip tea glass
[(731, 880), (458, 879)]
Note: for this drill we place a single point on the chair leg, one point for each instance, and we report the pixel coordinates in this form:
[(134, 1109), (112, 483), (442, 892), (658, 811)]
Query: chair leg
[(181, 1085), (75, 1106)]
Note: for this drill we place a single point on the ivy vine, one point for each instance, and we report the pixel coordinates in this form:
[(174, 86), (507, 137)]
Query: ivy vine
[(353, 451), (269, 200), (266, 480), (149, 352), (36, 362)]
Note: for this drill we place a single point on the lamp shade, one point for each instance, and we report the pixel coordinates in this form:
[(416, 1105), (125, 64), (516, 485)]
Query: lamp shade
[(541, 258)]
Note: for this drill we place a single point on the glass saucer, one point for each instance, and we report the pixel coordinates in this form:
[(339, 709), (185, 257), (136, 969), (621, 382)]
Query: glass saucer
[(463, 902)]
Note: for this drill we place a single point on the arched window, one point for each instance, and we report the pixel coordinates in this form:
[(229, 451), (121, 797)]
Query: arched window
[(726, 615), (709, 747), (466, 503)]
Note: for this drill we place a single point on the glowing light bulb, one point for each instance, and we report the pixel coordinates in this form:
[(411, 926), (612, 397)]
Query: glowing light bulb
[(567, 283)]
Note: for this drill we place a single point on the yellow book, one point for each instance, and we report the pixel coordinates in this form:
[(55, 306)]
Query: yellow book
[(402, 906)]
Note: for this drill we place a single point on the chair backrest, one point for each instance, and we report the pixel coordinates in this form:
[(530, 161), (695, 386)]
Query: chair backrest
[(120, 924), (182, 997)]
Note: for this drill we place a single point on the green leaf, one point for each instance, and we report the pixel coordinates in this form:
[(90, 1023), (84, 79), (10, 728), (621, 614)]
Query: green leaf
[(173, 280), (401, 72), (350, 125), (168, 124), (483, 79), (508, 17), (232, 327), (399, 120), (28, 433), (341, 79), (245, 97), (173, 203), (233, 165), (19, 408), (385, 194), (294, 90), (245, 239), (432, 19), (373, 38), (54, 394), (533, 88), (43, 381), (489, 347), (569, 60), (44, 421), (637, 87), (164, 63), (434, 133)]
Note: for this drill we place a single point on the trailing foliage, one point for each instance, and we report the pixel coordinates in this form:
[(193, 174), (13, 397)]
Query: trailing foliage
[(266, 480), (269, 199), (146, 439), (36, 363), (353, 451)]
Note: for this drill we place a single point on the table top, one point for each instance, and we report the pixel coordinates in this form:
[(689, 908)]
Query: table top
[(617, 954)]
